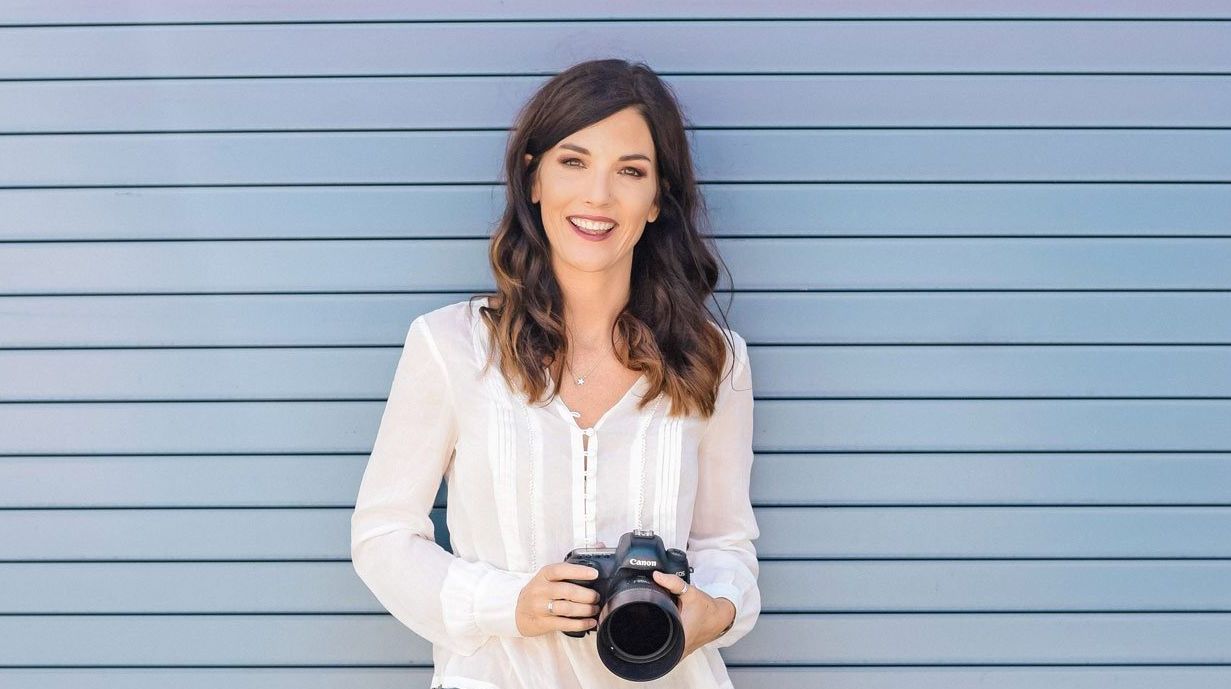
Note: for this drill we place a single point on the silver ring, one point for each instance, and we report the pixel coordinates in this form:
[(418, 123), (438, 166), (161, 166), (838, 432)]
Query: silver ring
[(550, 603), (685, 589)]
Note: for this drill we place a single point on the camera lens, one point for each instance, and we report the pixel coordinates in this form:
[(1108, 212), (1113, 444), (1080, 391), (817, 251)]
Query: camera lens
[(640, 631), (640, 634)]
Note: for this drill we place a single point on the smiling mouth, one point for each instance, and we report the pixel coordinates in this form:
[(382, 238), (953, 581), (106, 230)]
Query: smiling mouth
[(596, 233)]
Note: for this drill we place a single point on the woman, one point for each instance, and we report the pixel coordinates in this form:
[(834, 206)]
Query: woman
[(617, 404)]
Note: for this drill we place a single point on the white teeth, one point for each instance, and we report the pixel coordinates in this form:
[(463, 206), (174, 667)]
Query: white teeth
[(591, 225)]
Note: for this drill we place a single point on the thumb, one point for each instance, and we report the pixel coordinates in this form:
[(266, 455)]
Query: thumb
[(669, 581)]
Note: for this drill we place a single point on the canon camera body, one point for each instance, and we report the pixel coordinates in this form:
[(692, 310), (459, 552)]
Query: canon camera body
[(640, 634)]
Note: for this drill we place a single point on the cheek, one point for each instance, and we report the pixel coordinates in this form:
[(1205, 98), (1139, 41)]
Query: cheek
[(557, 186), (646, 195)]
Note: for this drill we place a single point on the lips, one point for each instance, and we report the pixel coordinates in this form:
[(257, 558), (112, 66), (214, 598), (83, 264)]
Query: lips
[(593, 232), (595, 218), (590, 236)]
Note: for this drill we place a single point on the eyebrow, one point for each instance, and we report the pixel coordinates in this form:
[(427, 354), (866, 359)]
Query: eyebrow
[(630, 156)]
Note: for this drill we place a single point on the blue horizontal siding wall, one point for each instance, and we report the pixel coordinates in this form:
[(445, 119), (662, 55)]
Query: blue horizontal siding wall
[(982, 257)]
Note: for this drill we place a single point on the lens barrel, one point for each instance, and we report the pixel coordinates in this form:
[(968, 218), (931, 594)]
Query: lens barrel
[(640, 634)]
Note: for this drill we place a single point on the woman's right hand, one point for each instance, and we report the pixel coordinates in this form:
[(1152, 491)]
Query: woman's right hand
[(575, 609)]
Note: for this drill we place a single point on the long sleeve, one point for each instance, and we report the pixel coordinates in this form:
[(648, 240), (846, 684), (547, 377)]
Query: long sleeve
[(443, 598), (720, 546)]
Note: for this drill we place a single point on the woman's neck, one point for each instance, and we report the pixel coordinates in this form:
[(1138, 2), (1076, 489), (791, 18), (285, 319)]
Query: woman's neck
[(591, 305)]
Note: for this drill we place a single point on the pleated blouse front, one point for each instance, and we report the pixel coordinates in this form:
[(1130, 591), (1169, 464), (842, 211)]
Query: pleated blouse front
[(524, 490)]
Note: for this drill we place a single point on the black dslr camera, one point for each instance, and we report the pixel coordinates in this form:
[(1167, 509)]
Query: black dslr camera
[(640, 634)]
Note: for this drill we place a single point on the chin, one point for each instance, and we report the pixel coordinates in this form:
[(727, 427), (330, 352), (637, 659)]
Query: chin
[(587, 264), (590, 266)]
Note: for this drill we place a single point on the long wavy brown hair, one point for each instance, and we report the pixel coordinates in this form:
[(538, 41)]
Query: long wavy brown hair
[(670, 336)]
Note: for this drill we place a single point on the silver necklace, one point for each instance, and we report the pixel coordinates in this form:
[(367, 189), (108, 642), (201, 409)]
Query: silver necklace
[(581, 380)]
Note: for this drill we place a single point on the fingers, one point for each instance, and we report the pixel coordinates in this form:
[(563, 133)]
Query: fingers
[(571, 624), (671, 582), (566, 570), (574, 592), (574, 608), (568, 608), (566, 590)]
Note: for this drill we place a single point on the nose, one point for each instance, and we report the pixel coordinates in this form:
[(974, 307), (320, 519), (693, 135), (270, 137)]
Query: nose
[(599, 190)]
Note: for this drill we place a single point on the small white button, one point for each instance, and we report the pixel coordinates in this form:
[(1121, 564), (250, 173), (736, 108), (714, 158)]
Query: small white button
[(588, 431)]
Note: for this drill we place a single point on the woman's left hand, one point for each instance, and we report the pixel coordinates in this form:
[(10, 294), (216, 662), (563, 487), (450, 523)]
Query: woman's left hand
[(704, 616)]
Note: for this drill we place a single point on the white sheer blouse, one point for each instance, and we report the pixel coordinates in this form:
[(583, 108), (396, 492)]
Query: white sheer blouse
[(523, 490)]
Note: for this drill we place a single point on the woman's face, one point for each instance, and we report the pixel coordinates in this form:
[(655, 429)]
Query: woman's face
[(607, 171)]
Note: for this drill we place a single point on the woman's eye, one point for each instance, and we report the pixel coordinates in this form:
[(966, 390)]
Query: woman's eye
[(566, 162)]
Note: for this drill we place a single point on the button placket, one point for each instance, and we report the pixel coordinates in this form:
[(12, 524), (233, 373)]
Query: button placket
[(576, 439), (589, 453)]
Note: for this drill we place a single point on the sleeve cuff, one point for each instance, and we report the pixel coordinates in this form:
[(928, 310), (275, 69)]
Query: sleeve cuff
[(495, 605), (479, 600)]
